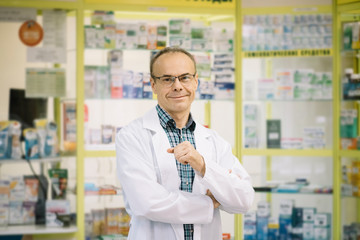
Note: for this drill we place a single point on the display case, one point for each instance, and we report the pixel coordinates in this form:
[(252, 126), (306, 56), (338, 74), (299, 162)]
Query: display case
[(287, 127), (348, 114), (38, 75)]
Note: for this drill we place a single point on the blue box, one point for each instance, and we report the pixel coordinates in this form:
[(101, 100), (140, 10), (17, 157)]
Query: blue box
[(284, 228), (128, 84), (137, 90), (262, 227)]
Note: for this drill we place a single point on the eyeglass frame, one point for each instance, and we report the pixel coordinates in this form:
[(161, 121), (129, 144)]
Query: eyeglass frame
[(174, 77)]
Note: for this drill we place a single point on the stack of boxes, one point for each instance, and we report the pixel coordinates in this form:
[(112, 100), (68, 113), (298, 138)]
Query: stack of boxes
[(308, 223), (349, 129), (322, 229), (351, 179), (293, 223), (285, 218), (107, 222), (250, 226), (262, 220)]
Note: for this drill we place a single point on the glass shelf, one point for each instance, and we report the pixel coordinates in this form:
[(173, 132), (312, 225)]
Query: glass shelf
[(350, 53), (299, 193), (40, 160), (140, 49), (148, 99), (288, 100), (35, 229), (289, 53)]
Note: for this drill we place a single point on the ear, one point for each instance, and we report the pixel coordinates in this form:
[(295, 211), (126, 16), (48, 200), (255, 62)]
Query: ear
[(197, 80), (153, 87)]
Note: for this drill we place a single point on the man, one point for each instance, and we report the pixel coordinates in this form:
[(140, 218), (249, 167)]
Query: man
[(175, 173)]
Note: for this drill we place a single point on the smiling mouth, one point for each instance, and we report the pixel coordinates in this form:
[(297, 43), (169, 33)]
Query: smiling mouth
[(177, 97)]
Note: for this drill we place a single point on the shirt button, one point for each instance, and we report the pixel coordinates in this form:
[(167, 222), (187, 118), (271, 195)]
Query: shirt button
[(187, 183)]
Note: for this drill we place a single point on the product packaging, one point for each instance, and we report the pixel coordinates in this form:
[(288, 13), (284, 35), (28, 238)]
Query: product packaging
[(109, 35), (112, 220), (131, 39), (31, 188), (4, 214), (102, 82), (128, 80), (4, 133), (90, 81), (142, 37), (15, 213), (147, 90), (250, 225), (55, 209), (273, 229), (14, 145), (17, 188), (161, 37), (4, 190), (120, 36), (262, 220), (98, 217), (40, 125), (59, 180), (51, 148), (273, 133), (124, 222), (28, 211), (31, 143), (107, 134), (69, 126)]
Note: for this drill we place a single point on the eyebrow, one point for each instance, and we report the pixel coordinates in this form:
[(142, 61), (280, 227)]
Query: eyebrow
[(166, 75)]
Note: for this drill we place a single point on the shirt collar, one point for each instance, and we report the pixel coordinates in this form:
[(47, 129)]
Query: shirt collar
[(166, 119)]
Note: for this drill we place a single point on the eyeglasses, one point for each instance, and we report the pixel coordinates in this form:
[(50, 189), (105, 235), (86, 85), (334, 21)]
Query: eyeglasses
[(168, 81)]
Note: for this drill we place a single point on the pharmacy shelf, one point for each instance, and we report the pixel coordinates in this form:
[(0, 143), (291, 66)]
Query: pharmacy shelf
[(287, 152), (288, 53), (350, 153), (151, 50), (287, 100), (35, 229), (297, 193), (355, 197), (350, 53), (40, 160)]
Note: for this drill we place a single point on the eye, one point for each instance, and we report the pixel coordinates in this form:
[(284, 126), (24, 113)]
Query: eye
[(185, 78), (166, 79)]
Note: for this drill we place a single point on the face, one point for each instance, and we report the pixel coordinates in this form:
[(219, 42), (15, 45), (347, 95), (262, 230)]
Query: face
[(177, 98)]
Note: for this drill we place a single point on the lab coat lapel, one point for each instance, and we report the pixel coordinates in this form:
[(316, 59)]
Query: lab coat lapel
[(165, 160), (205, 148)]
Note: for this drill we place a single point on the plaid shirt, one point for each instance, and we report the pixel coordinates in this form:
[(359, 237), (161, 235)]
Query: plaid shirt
[(186, 172)]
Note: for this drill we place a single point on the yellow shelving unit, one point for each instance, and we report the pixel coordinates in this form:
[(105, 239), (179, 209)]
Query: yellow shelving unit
[(334, 152), (42, 232), (202, 10), (345, 11)]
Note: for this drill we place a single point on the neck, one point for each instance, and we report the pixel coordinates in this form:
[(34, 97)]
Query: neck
[(180, 119)]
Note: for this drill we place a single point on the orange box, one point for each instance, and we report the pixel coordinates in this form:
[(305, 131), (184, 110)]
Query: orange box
[(348, 143)]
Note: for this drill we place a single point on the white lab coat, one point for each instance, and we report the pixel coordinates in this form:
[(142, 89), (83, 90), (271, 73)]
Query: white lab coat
[(150, 182)]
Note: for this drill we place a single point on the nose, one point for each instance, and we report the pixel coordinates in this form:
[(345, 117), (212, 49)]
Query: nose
[(177, 86)]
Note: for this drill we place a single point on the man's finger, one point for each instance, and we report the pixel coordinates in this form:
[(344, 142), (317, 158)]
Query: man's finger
[(170, 150)]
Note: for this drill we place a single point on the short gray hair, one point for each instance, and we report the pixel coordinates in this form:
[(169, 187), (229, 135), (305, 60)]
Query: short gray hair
[(170, 50)]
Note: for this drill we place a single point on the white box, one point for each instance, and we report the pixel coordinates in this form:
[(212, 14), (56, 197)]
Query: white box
[(54, 207), (286, 206)]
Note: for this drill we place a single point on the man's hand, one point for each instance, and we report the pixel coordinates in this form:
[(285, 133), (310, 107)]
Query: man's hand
[(215, 202), (185, 153)]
